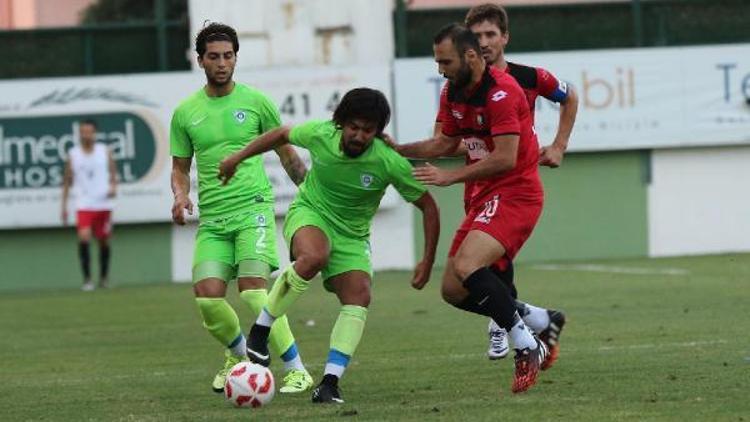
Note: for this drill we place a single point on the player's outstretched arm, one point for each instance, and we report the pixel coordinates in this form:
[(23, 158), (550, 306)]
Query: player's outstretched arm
[(552, 155), (270, 140), (181, 189), (460, 150), (500, 160), (431, 226), (293, 165), (440, 145)]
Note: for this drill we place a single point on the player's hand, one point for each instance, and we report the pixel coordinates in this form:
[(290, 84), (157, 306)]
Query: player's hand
[(421, 275), (227, 168), (431, 175), (181, 203), (551, 156), (64, 216)]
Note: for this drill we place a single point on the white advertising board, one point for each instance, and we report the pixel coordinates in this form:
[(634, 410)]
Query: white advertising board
[(39, 123), (628, 99)]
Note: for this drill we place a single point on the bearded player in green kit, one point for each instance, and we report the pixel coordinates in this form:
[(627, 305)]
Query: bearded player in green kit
[(328, 224), (237, 233)]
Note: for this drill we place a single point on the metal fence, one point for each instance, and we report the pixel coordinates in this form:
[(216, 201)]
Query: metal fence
[(639, 23), (95, 50)]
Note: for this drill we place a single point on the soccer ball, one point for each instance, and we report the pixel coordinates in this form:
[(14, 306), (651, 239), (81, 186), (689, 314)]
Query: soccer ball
[(249, 385)]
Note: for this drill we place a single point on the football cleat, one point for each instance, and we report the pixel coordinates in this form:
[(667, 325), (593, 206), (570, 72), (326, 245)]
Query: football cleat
[(221, 377), (550, 336), (296, 381), (326, 393), (498, 343), (528, 363)]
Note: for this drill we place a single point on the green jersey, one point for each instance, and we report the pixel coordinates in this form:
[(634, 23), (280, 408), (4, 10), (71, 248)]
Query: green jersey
[(211, 128), (347, 191)]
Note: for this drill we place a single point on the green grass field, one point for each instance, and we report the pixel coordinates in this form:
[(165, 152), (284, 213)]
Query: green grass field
[(664, 339)]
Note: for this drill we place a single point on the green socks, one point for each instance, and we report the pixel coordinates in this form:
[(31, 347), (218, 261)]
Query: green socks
[(286, 290), (219, 319), (344, 338)]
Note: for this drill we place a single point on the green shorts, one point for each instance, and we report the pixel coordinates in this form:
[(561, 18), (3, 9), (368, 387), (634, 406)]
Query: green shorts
[(347, 253), (241, 245)]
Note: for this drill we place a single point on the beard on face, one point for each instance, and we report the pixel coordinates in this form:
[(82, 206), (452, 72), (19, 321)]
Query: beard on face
[(463, 77), (216, 82), (351, 149)]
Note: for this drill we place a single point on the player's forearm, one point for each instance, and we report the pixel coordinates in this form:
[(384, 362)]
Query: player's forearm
[(568, 111), (65, 190), (268, 141), (429, 148), (483, 169), (431, 228), (293, 165), (180, 183)]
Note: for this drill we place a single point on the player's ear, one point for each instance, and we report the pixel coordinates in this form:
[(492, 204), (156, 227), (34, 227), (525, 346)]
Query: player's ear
[(200, 61)]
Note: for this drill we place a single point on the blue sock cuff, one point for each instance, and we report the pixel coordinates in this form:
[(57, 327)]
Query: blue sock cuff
[(337, 358), (290, 353), (235, 341)]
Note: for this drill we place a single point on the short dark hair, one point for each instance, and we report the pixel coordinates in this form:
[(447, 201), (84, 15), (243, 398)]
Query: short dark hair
[(366, 104), (215, 32), (494, 13), (88, 122), (463, 39)]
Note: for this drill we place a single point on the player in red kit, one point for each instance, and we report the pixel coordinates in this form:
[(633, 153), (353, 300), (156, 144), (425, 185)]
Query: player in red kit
[(489, 22), (486, 110)]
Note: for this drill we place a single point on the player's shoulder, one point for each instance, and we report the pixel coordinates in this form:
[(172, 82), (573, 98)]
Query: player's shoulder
[(526, 76), (251, 93), (385, 152), (321, 126), (74, 151), (503, 86)]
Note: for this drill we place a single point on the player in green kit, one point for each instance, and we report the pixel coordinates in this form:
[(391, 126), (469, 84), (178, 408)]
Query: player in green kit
[(237, 233), (328, 224)]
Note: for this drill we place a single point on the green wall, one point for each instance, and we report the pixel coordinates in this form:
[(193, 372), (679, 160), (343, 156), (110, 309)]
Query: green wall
[(48, 258), (595, 207)]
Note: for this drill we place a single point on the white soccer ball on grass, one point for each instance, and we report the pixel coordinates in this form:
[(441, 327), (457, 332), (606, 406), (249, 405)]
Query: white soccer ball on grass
[(249, 385)]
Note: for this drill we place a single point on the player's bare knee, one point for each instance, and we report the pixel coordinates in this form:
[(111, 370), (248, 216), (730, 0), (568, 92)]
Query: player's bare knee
[(309, 263), (464, 267), (359, 297), (84, 235), (210, 287), (250, 283)]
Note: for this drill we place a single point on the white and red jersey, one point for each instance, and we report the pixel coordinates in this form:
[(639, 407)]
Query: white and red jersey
[(91, 178), (495, 106)]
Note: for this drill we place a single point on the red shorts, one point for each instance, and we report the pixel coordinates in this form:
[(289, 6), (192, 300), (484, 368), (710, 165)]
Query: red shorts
[(509, 219), (99, 221)]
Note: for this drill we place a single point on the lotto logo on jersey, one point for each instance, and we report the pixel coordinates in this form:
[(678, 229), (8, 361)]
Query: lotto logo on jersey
[(563, 87), (499, 95), (457, 114), (240, 116)]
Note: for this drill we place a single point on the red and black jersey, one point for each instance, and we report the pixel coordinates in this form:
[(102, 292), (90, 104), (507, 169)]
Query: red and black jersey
[(536, 81), (495, 106)]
